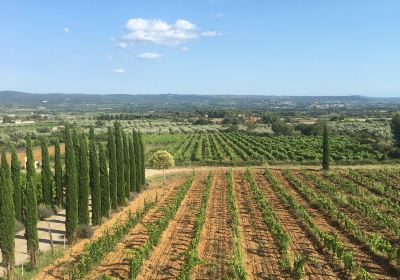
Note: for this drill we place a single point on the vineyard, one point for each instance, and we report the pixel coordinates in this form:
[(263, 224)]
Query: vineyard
[(250, 224), (236, 148)]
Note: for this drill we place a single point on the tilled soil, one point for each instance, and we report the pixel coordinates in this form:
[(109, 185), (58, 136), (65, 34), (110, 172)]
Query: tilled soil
[(166, 260), (215, 247), (261, 251), (319, 266), (362, 255), (116, 263)]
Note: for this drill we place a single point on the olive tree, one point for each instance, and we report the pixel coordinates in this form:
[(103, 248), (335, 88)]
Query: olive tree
[(162, 160)]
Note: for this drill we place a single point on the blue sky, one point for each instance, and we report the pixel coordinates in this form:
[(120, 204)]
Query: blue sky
[(279, 47)]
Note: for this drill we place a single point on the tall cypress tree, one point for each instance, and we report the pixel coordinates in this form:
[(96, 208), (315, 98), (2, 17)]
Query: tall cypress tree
[(71, 188), (127, 175), (16, 180), (83, 175), (31, 206), (46, 174), (142, 160), (325, 149), (112, 163), (94, 180), (120, 164), (7, 217), (132, 165), (104, 183), (137, 160), (58, 174)]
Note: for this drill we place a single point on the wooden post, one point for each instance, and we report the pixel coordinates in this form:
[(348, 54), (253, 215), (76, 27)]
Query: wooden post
[(50, 236)]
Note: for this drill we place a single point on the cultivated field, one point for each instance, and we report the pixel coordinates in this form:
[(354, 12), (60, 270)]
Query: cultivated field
[(249, 224)]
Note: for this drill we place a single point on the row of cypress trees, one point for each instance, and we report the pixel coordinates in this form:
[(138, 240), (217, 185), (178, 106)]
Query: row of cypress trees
[(108, 176)]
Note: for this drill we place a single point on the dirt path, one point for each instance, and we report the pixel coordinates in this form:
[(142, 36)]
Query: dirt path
[(215, 247), (167, 258), (262, 259), (58, 268), (302, 242), (116, 264), (362, 255)]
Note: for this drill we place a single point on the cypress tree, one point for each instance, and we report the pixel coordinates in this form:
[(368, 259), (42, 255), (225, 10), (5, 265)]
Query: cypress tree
[(46, 174), (112, 163), (104, 183), (31, 207), (58, 174), (137, 160), (120, 164), (71, 188), (142, 164), (126, 166), (132, 165), (94, 180), (325, 149), (16, 180), (83, 189), (7, 217), (77, 149)]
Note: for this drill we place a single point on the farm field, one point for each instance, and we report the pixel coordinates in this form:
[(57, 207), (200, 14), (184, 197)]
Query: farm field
[(256, 223)]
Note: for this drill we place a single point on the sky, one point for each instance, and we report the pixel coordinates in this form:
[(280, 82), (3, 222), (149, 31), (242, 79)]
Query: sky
[(265, 47)]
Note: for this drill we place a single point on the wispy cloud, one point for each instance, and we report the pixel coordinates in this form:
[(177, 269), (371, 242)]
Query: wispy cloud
[(211, 34), (149, 55), (184, 49), (118, 70), (66, 29)]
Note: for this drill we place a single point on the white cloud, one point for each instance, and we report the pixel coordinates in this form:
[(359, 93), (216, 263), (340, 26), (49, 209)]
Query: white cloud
[(149, 55), (119, 71), (211, 34), (108, 56), (122, 45), (184, 24), (66, 30), (184, 49)]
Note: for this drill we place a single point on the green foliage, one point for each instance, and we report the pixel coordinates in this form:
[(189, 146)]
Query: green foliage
[(138, 161), (127, 167), (120, 164), (325, 149), (46, 176), (104, 183), (112, 163), (83, 182), (395, 127), (58, 174), (142, 160), (132, 160), (162, 160), (16, 181), (71, 188), (7, 215), (94, 180), (281, 128)]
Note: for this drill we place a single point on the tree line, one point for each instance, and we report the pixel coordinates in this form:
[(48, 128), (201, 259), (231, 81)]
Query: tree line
[(106, 174)]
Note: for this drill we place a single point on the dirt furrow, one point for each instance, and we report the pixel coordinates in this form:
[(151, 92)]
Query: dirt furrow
[(215, 247), (116, 263), (166, 260), (319, 266), (261, 252), (362, 255)]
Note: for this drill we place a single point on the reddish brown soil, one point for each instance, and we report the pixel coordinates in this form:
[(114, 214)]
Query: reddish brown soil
[(58, 268), (373, 264), (261, 251), (116, 263), (215, 247), (321, 267), (165, 262)]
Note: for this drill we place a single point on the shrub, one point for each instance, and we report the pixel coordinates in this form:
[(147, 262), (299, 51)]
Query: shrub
[(44, 212), (84, 231)]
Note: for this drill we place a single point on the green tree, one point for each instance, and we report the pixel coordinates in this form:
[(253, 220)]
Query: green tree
[(127, 175), (71, 188), (325, 149), (7, 217), (112, 163), (281, 128), (132, 160), (142, 164), (138, 161), (58, 175), (83, 175), (46, 175), (16, 180), (104, 183), (395, 128), (94, 179), (162, 160), (31, 212), (120, 164)]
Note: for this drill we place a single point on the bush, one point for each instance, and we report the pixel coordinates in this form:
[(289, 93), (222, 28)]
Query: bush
[(84, 231), (19, 226), (44, 212), (55, 209)]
